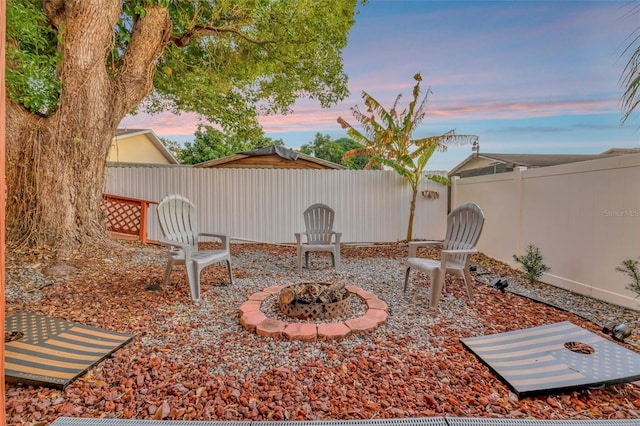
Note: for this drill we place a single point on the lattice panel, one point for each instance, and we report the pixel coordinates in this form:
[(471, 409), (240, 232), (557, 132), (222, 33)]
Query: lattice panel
[(122, 216)]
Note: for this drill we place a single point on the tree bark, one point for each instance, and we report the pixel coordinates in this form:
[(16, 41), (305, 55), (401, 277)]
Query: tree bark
[(56, 164)]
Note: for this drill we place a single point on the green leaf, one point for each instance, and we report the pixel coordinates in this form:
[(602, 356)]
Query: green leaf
[(442, 180), (387, 137)]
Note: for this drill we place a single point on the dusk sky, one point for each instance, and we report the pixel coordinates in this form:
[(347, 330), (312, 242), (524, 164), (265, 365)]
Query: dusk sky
[(524, 76)]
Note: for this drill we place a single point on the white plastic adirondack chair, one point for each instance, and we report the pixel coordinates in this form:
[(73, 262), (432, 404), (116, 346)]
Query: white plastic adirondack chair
[(464, 225), (318, 221), (179, 224)]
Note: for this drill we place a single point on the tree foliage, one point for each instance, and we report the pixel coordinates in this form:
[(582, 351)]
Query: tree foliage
[(172, 146), (326, 148), (630, 79), (32, 57), (75, 68), (387, 138), (211, 143)]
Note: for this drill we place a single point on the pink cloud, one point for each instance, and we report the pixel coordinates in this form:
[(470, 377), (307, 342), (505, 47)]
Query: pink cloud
[(308, 116), (518, 110), (165, 124)]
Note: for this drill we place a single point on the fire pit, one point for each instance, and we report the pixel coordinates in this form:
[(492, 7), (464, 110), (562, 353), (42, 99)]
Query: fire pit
[(253, 318), (314, 301)]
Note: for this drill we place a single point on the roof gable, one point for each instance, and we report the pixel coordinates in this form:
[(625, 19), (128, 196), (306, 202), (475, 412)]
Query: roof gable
[(271, 157), (123, 134)]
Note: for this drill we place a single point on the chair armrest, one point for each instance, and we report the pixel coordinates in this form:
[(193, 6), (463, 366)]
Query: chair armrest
[(299, 237), (414, 245), (173, 245), (338, 236), (460, 251), (446, 253), (224, 238)]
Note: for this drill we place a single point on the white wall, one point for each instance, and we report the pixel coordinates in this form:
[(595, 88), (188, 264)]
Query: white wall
[(584, 217), (266, 205)]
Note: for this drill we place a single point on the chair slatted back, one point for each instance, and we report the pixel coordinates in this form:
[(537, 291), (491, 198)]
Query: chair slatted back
[(318, 220), (177, 217), (464, 225)]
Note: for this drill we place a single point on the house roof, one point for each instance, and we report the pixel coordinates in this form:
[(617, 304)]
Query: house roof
[(535, 160), (124, 133), (539, 160), (621, 151), (272, 150)]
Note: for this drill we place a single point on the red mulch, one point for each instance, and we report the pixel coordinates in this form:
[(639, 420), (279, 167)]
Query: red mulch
[(135, 383)]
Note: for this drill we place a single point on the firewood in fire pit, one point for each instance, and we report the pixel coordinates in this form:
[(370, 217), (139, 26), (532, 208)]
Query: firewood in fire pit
[(309, 301), (286, 296), (333, 293), (307, 293)]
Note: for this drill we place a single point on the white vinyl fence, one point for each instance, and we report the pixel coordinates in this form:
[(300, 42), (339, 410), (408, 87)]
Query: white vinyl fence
[(266, 205), (584, 217)]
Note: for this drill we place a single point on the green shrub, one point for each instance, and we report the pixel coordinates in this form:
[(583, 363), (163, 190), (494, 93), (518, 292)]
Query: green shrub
[(532, 264), (631, 268)]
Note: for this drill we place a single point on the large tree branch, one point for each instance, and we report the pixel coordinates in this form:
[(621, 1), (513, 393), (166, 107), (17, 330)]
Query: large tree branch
[(56, 11), (204, 30), (149, 36)]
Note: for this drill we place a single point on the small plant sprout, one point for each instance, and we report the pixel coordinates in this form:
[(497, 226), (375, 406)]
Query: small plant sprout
[(532, 264), (631, 268)]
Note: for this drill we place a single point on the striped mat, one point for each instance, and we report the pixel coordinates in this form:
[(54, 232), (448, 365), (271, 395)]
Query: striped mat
[(50, 352), (554, 358)]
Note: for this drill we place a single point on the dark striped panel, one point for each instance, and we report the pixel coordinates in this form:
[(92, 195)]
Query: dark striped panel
[(535, 360), (54, 352)]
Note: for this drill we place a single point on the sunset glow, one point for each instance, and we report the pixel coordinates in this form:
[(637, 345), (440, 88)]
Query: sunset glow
[(525, 76)]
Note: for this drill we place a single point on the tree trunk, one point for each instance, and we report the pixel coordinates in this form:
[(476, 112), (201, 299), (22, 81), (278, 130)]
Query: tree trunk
[(56, 164), (412, 213), (55, 175)]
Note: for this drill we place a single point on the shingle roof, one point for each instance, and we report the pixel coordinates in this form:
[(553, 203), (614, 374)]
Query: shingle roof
[(286, 153), (505, 162), (541, 160)]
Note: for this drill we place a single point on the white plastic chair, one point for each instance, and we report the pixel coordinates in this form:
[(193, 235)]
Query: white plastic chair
[(178, 221), (464, 225), (318, 221)]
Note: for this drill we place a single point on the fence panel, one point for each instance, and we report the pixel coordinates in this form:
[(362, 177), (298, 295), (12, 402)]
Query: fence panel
[(266, 205), (584, 217)]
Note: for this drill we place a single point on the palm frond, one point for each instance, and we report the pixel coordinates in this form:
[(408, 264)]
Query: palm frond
[(442, 180), (343, 123), (398, 168), (376, 108), (631, 74), (358, 151), (411, 115)]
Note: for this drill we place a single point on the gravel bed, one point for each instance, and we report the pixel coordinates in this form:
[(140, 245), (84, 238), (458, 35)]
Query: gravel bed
[(256, 354), (195, 361), (409, 315)]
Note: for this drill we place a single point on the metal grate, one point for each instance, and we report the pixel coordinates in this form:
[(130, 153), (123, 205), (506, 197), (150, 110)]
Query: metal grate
[(423, 421), (464, 421), (420, 421), (82, 421)]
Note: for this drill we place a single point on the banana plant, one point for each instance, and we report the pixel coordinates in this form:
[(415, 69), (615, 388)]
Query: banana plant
[(387, 139)]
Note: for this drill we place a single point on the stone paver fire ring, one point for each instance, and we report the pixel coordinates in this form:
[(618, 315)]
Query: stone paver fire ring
[(253, 319)]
